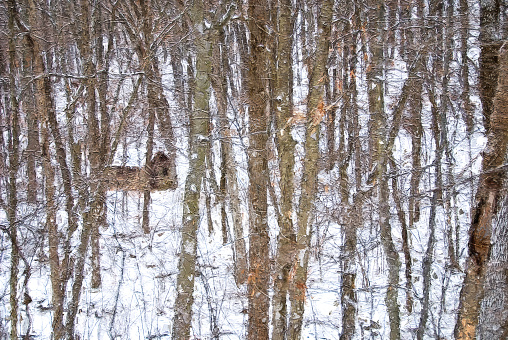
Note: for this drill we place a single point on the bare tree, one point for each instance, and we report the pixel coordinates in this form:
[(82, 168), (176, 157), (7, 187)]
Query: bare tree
[(380, 145), (199, 146), (258, 96), (486, 208), (283, 109), (315, 113), (14, 162)]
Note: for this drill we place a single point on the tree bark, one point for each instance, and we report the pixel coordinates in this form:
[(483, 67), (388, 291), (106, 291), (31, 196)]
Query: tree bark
[(57, 283), (436, 199), (45, 110), (352, 213), (494, 308), (283, 110), (14, 162), (229, 181), (490, 42), (33, 147), (257, 92), (467, 106), (487, 197), (103, 62), (148, 158), (94, 206), (199, 146), (315, 114), (381, 143)]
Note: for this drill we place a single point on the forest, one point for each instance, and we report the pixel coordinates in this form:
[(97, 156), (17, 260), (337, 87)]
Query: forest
[(256, 169)]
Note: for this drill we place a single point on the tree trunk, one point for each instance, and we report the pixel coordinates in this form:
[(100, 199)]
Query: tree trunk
[(103, 62), (352, 213), (43, 88), (494, 308), (490, 43), (229, 181), (436, 199), (54, 259), (150, 56), (94, 206), (257, 92), (45, 110), (467, 106), (199, 146), (380, 146), (283, 108), (14, 161), (148, 158), (33, 147), (315, 114), (487, 197)]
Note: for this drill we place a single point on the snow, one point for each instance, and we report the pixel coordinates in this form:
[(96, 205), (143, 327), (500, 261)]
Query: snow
[(139, 271)]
